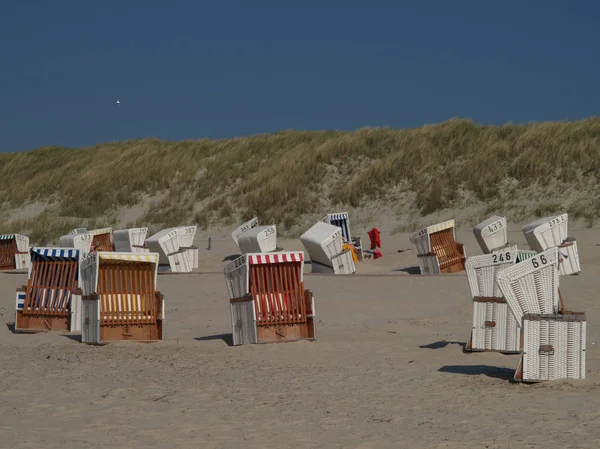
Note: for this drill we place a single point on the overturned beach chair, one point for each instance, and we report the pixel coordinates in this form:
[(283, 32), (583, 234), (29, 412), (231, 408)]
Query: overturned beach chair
[(166, 244), (323, 243), (252, 223), (551, 232), (492, 235), (553, 340), (132, 240), (102, 239), (268, 299), (342, 220), (120, 299), (80, 242), (51, 300), (494, 326), (14, 252), (437, 249), (259, 239)]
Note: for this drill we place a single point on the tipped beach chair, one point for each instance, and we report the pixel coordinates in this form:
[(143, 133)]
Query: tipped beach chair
[(102, 239), (80, 242), (268, 300), (51, 300), (492, 235), (342, 220), (323, 243), (553, 339), (186, 243), (120, 299), (437, 249), (14, 252), (166, 244), (252, 223), (132, 240), (494, 326), (551, 232), (260, 239)]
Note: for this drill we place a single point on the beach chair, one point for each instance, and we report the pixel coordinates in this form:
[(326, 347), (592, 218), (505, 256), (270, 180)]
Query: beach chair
[(268, 300), (492, 235), (341, 220), (494, 326), (437, 250), (252, 223), (172, 257), (51, 300), (120, 299), (553, 339), (102, 239), (80, 242), (186, 243), (324, 245), (259, 239), (14, 252), (551, 232), (132, 240)]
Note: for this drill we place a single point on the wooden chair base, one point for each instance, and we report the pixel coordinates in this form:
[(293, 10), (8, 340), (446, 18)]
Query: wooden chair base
[(128, 332), (286, 333), (456, 267), (40, 323)]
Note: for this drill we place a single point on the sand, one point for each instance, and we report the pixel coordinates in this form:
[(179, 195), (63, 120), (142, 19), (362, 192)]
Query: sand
[(387, 370)]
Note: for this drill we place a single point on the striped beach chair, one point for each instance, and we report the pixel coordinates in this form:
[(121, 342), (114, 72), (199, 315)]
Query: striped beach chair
[(341, 220), (14, 252), (121, 301), (268, 300), (51, 300)]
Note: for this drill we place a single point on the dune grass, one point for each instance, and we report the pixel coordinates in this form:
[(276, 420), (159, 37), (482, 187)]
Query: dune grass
[(284, 176)]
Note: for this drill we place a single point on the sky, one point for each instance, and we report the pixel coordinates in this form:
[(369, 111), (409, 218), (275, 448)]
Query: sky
[(191, 69)]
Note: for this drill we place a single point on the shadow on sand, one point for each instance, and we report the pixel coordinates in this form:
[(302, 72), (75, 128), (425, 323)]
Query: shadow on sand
[(74, 337), (227, 338), (410, 270), (478, 370), (442, 344)]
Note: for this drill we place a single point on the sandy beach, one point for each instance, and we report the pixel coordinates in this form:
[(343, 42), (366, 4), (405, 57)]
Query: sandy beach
[(387, 370)]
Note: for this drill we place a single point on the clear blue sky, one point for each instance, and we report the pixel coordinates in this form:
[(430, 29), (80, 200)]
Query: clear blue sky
[(190, 69)]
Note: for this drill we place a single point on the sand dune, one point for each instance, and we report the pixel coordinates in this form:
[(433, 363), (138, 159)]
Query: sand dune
[(387, 370)]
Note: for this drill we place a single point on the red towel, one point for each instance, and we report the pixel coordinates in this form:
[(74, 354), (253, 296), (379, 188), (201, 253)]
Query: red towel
[(374, 235)]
